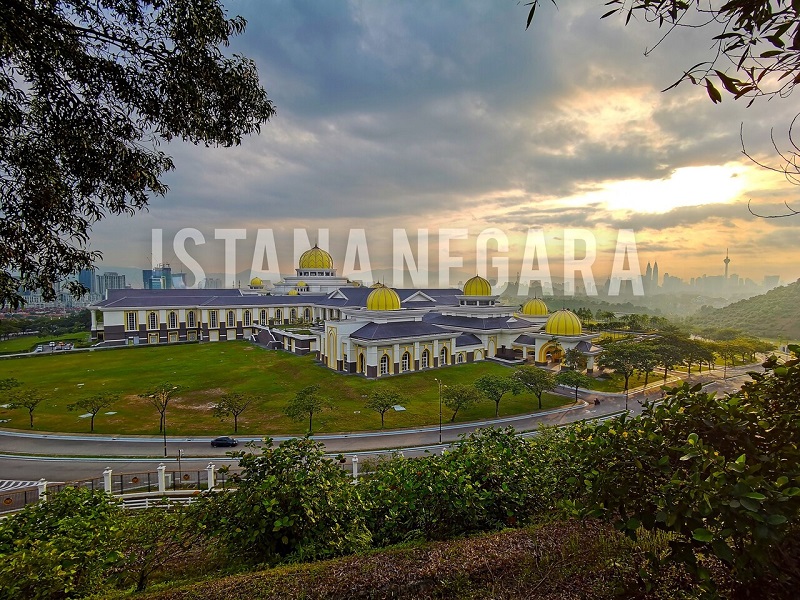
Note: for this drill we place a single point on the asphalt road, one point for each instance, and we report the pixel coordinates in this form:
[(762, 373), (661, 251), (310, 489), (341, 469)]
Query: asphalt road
[(65, 458)]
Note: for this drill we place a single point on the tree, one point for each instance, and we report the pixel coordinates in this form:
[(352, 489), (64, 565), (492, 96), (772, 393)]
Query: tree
[(306, 403), (646, 359), (536, 380), (27, 399), (233, 404), (461, 397), (382, 400), (621, 358), (88, 90), (159, 397), (573, 379), (574, 359), (669, 352), (93, 405), (494, 387)]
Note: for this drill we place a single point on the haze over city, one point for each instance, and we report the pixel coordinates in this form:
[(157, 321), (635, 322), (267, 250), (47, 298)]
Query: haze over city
[(415, 115)]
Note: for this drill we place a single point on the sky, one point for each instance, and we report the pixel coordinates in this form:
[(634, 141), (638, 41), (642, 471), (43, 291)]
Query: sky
[(449, 115)]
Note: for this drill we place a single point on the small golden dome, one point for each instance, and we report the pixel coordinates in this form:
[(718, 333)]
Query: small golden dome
[(293, 293), (383, 298), (563, 322), (301, 284), (535, 307), (256, 282), (477, 286), (316, 258), (377, 284)]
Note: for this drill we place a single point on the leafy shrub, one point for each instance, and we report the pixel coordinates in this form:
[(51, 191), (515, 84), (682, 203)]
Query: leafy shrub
[(60, 548), (290, 500)]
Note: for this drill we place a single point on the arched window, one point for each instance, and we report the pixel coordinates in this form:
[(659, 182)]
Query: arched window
[(278, 316), (190, 319), (262, 317), (425, 358), (443, 357), (231, 320), (405, 362), (213, 319), (293, 315), (307, 314), (385, 364), (152, 320), (173, 320), (248, 320), (460, 358)]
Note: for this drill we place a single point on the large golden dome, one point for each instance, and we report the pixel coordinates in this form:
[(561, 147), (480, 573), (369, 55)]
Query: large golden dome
[(293, 293), (256, 282), (383, 298), (563, 322), (535, 307), (316, 258), (477, 286)]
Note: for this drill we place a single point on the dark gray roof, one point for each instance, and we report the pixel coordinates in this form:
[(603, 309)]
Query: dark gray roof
[(357, 297), (468, 339), (526, 339), (400, 329), (482, 324), (200, 298)]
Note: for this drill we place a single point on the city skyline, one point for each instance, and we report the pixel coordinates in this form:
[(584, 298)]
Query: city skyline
[(454, 116)]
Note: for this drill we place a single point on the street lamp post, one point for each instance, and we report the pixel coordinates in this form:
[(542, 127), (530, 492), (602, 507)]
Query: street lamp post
[(440, 408), (626, 399), (164, 429)]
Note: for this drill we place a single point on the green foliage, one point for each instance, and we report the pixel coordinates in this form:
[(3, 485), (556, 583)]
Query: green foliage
[(88, 92), (620, 357), (461, 397), (535, 380), (59, 548), (494, 387), (159, 396), (574, 359), (306, 403), (489, 481), (381, 400), (722, 473), (25, 398), (233, 404), (94, 404), (289, 500)]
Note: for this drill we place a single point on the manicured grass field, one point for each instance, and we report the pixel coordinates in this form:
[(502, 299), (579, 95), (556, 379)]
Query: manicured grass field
[(204, 371), (26, 343)]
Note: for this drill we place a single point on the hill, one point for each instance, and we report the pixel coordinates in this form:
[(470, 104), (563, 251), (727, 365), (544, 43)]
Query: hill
[(772, 315)]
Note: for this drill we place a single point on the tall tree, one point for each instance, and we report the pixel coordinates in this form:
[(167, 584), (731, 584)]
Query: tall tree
[(461, 397), (646, 359), (536, 380), (93, 405), (27, 399), (620, 357), (574, 359), (159, 397), (494, 387), (233, 404), (305, 404), (88, 90), (573, 379), (383, 400)]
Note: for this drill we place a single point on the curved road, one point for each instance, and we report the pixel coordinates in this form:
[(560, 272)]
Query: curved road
[(27, 457)]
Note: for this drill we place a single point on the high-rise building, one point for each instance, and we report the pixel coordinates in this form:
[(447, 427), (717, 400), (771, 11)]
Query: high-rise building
[(655, 275), (109, 281), (158, 278), (86, 279)]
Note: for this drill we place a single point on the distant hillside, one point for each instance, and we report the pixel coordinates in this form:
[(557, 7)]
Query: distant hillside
[(775, 314)]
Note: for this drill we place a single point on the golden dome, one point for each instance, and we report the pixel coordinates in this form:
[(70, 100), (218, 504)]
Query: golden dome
[(477, 286), (301, 284), (293, 293), (316, 258), (563, 322), (256, 282), (535, 307), (383, 298)]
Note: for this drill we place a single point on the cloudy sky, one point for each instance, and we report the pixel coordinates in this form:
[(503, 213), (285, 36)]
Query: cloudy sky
[(450, 115)]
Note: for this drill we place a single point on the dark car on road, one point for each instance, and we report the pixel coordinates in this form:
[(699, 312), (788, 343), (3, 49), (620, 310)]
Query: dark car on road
[(224, 442)]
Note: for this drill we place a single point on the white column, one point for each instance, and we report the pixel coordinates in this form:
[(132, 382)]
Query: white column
[(42, 485), (107, 480), (162, 480), (210, 469), (355, 468)]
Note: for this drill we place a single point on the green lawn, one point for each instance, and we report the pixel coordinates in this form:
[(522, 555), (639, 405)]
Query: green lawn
[(26, 343), (205, 371), (616, 383)]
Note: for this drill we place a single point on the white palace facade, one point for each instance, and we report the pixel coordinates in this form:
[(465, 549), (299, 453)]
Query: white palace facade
[(373, 332)]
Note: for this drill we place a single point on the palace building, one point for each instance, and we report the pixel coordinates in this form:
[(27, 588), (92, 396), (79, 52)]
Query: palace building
[(374, 332)]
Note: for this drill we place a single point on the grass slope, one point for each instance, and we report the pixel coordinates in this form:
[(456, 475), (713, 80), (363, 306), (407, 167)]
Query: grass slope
[(558, 561), (772, 315), (204, 371)]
